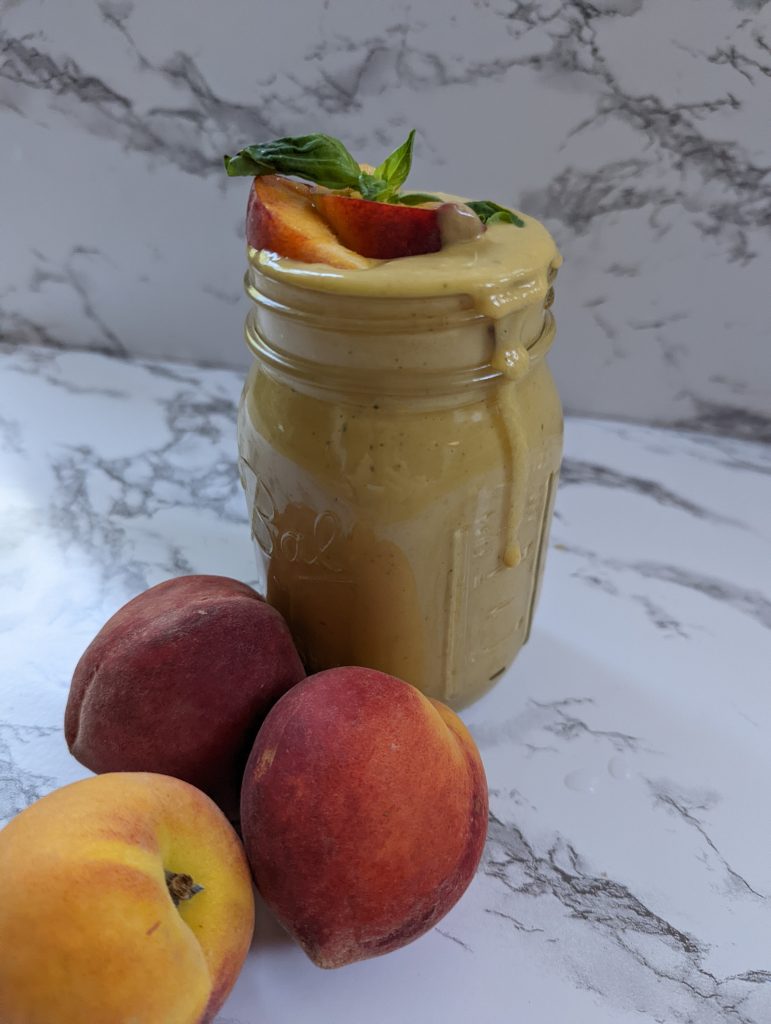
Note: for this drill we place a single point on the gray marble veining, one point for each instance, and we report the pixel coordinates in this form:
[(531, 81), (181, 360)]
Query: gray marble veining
[(626, 876), (636, 130)]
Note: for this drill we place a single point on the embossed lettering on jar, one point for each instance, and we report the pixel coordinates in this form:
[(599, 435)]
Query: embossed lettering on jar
[(399, 447)]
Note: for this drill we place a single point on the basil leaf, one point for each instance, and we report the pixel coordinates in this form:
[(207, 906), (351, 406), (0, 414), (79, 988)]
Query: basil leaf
[(373, 187), (242, 164), (395, 168), (414, 198), (491, 213), (317, 158), (505, 217)]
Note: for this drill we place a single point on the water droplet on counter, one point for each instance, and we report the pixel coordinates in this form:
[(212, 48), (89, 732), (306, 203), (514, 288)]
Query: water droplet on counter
[(619, 769), (583, 781)]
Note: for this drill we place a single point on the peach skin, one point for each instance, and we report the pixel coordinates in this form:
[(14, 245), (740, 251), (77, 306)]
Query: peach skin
[(364, 813), (126, 900), (381, 231)]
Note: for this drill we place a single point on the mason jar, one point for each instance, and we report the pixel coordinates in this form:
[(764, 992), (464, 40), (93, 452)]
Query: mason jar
[(400, 456)]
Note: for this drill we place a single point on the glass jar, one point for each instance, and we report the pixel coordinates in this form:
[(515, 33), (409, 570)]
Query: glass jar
[(400, 471)]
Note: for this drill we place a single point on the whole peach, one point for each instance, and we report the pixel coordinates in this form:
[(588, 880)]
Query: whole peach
[(178, 682), (364, 813), (126, 900)]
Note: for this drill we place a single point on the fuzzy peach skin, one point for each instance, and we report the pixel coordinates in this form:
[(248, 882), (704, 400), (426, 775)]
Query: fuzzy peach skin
[(88, 930), (364, 813), (178, 682)]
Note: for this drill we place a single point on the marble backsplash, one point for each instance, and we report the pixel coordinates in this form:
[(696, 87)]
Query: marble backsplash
[(636, 129)]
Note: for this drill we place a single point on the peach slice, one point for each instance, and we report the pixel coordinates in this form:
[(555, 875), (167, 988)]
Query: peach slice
[(382, 231), (280, 217)]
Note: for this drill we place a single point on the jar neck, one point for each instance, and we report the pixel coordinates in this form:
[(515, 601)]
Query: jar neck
[(399, 346)]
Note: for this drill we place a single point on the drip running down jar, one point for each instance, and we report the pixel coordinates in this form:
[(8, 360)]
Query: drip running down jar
[(400, 437)]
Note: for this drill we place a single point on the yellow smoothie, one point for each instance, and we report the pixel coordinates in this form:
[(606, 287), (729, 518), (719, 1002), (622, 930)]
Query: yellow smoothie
[(400, 438)]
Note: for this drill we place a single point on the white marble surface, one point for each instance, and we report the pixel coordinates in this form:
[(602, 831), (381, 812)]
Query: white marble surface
[(627, 875), (637, 129)]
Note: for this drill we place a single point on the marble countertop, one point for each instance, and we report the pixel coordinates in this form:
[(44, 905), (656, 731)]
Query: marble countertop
[(627, 874)]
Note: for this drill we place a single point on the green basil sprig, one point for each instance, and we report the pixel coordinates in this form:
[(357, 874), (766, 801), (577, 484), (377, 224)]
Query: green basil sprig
[(317, 158), (324, 160), (491, 213), (416, 198), (395, 168)]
